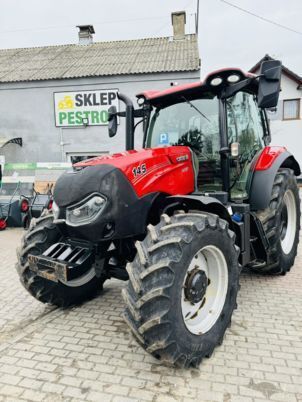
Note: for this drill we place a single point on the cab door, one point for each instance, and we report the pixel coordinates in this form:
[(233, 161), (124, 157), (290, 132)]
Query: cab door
[(245, 127)]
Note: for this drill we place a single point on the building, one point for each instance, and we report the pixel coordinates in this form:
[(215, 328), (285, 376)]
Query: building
[(56, 98), (286, 120)]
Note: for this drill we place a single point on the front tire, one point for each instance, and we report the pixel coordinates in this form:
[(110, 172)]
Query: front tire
[(281, 223), (41, 235), (189, 259)]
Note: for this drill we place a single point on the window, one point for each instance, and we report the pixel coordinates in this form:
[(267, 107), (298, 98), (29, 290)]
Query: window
[(177, 124), (291, 109), (82, 156), (193, 123), (245, 124), (245, 127)]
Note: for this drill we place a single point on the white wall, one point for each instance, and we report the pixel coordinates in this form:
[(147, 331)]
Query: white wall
[(288, 133), (27, 111)]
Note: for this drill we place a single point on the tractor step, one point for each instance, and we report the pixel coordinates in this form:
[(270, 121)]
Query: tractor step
[(257, 264), (61, 262)]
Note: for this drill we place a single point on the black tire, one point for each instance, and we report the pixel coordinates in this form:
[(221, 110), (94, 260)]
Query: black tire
[(280, 262), (26, 223), (41, 235), (153, 295)]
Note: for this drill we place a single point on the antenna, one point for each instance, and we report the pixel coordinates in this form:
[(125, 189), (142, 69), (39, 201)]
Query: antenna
[(197, 17)]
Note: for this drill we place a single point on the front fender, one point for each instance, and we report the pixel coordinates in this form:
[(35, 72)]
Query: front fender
[(200, 203), (265, 170)]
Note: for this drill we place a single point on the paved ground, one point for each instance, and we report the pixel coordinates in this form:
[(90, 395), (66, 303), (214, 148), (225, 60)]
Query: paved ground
[(87, 354)]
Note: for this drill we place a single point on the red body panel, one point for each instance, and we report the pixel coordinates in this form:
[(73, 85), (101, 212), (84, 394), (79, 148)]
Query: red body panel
[(268, 157), (167, 170)]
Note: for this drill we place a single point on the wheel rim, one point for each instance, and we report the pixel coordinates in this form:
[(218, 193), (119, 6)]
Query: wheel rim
[(81, 280), (288, 222), (204, 290)]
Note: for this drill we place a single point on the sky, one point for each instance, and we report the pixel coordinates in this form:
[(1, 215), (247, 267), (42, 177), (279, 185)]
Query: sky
[(228, 37)]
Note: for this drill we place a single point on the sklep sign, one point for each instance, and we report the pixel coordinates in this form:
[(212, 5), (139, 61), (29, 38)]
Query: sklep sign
[(84, 107)]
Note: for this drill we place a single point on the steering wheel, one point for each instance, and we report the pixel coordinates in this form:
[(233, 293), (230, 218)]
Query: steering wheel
[(192, 139)]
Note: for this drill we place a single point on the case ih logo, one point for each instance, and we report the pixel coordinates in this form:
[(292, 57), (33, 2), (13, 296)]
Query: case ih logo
[(84, 107)]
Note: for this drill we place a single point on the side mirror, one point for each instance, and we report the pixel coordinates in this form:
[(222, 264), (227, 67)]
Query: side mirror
[(269, 83), (112, 121)]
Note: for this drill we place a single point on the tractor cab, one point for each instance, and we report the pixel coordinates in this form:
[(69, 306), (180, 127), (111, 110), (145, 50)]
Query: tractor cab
[(222, 120), (196, 123)]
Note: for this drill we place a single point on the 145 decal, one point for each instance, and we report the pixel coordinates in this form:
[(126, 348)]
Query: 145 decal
[(139, 170)]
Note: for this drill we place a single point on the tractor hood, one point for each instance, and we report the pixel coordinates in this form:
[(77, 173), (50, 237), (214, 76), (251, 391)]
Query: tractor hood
[(75, 185), (150, 170), (129, 182), (122, 213)]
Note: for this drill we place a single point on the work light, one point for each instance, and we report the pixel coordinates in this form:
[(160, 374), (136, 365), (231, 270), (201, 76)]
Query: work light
[(233, 78), (216, 81)]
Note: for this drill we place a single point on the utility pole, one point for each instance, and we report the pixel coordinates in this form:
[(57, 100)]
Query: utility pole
[(197, 17)]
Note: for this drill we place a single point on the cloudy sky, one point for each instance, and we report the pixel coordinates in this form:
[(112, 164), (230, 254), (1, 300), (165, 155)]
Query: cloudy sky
[(227, 36)]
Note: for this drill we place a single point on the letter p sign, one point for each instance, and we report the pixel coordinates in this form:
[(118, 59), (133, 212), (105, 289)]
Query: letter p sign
[(164, 138)]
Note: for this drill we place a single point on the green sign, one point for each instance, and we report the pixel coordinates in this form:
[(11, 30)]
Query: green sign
[(37, 166), (20, 166)]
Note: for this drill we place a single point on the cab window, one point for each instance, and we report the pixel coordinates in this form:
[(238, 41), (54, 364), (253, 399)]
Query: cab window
[(195, 124), (244, 125)]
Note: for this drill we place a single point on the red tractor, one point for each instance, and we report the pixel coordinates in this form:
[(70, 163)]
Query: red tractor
[(205, 197)]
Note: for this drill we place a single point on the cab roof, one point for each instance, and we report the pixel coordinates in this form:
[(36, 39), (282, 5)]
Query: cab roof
[(193, 90)]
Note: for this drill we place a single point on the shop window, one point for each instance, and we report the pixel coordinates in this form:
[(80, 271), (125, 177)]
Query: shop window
[(291, 109)]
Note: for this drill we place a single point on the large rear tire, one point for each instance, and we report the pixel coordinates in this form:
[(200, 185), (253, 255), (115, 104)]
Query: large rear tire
[(40, 236), (281, 224), (182, 287)]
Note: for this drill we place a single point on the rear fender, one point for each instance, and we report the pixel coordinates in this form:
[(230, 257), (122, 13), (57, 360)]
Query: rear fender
[(265, 171)]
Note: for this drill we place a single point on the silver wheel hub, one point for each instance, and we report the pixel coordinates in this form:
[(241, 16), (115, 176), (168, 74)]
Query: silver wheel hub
[(204, 290)]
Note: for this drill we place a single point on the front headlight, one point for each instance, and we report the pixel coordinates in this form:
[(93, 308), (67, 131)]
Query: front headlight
[(55, 210), (85, 211)]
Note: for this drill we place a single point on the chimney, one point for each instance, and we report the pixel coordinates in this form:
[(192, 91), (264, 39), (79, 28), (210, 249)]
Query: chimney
[(85, 34), (179, 22)]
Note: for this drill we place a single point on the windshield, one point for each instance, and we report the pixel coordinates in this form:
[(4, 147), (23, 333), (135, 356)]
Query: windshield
[(192, 123)]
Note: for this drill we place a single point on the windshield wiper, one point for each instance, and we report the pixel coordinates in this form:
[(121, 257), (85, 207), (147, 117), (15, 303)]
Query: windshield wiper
[(197, 110)]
